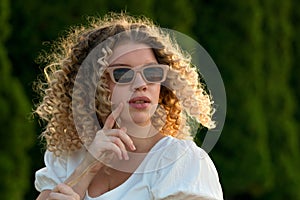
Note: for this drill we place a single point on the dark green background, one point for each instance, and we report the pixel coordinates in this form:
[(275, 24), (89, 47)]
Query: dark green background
[(254, 43)]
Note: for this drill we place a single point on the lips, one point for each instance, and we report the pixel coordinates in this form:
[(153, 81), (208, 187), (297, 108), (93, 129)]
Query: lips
[(139, 102)]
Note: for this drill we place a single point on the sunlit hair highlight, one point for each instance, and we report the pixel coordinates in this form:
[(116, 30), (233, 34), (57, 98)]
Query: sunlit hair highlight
[(182, 96)]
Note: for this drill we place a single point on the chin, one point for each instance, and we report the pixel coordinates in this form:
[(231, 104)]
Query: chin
[(141, 120)]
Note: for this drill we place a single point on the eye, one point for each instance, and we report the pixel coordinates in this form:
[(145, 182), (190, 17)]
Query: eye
[(154, 74), (123, 75)]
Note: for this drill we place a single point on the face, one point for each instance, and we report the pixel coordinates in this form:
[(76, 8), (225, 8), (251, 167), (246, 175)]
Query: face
[(139, 97)]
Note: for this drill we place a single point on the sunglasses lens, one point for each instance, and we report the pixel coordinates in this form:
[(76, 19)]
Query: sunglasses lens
[(151, 74), (154, 74), (123, 75)]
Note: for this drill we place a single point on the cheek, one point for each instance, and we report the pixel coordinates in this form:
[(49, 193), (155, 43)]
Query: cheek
[(156, 91), (118, 94)]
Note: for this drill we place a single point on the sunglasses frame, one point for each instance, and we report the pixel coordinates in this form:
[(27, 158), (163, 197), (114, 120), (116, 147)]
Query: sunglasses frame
[(165, 69)]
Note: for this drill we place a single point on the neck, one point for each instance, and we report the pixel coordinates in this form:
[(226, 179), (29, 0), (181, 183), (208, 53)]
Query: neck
[(143, 137), (144, 145)]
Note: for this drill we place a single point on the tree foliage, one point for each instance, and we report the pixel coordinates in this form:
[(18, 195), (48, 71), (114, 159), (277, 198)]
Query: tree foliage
[(244, 137), (279, 99), (251, 43), (16, 133)]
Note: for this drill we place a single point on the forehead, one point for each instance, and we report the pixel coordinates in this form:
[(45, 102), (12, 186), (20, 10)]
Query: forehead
[(127, 49)]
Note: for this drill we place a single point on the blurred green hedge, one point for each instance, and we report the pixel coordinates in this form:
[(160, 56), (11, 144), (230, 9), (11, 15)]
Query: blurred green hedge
[(16, 132)]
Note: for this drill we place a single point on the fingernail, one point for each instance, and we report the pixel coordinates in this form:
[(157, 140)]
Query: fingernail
[(133, 147)]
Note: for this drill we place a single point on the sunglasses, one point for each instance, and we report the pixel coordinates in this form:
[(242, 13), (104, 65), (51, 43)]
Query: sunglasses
[(154, 73)]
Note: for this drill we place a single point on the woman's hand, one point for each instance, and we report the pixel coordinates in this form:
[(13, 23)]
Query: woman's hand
[(63, 192), (109, 142)]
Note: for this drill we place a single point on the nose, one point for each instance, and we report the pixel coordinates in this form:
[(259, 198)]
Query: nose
[(139, 83)]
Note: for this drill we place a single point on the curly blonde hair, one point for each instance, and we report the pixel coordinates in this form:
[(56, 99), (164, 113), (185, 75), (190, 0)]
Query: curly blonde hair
[(182, 96)]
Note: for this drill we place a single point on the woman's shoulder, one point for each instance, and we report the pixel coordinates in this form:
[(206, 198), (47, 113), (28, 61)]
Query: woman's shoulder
[(57, 168), (183, 168), (174, 147), (171, 151), (67, 160)]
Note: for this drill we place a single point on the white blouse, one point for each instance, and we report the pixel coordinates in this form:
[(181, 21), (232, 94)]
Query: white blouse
[(173, 169)]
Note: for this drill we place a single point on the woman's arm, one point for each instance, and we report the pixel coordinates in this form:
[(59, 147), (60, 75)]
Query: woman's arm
[(76, 185), (107, 142)]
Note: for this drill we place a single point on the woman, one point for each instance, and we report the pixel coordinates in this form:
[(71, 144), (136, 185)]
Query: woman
[(118, 98)]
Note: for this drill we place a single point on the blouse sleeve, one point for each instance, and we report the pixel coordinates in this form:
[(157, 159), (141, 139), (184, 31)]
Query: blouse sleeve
[(54, 172), (193, 176)]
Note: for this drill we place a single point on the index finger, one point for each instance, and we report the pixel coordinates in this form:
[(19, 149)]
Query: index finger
[(111, 119)]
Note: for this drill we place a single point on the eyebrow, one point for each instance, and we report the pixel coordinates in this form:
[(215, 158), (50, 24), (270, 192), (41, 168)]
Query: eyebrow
[(126, 65), (119, 64)]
